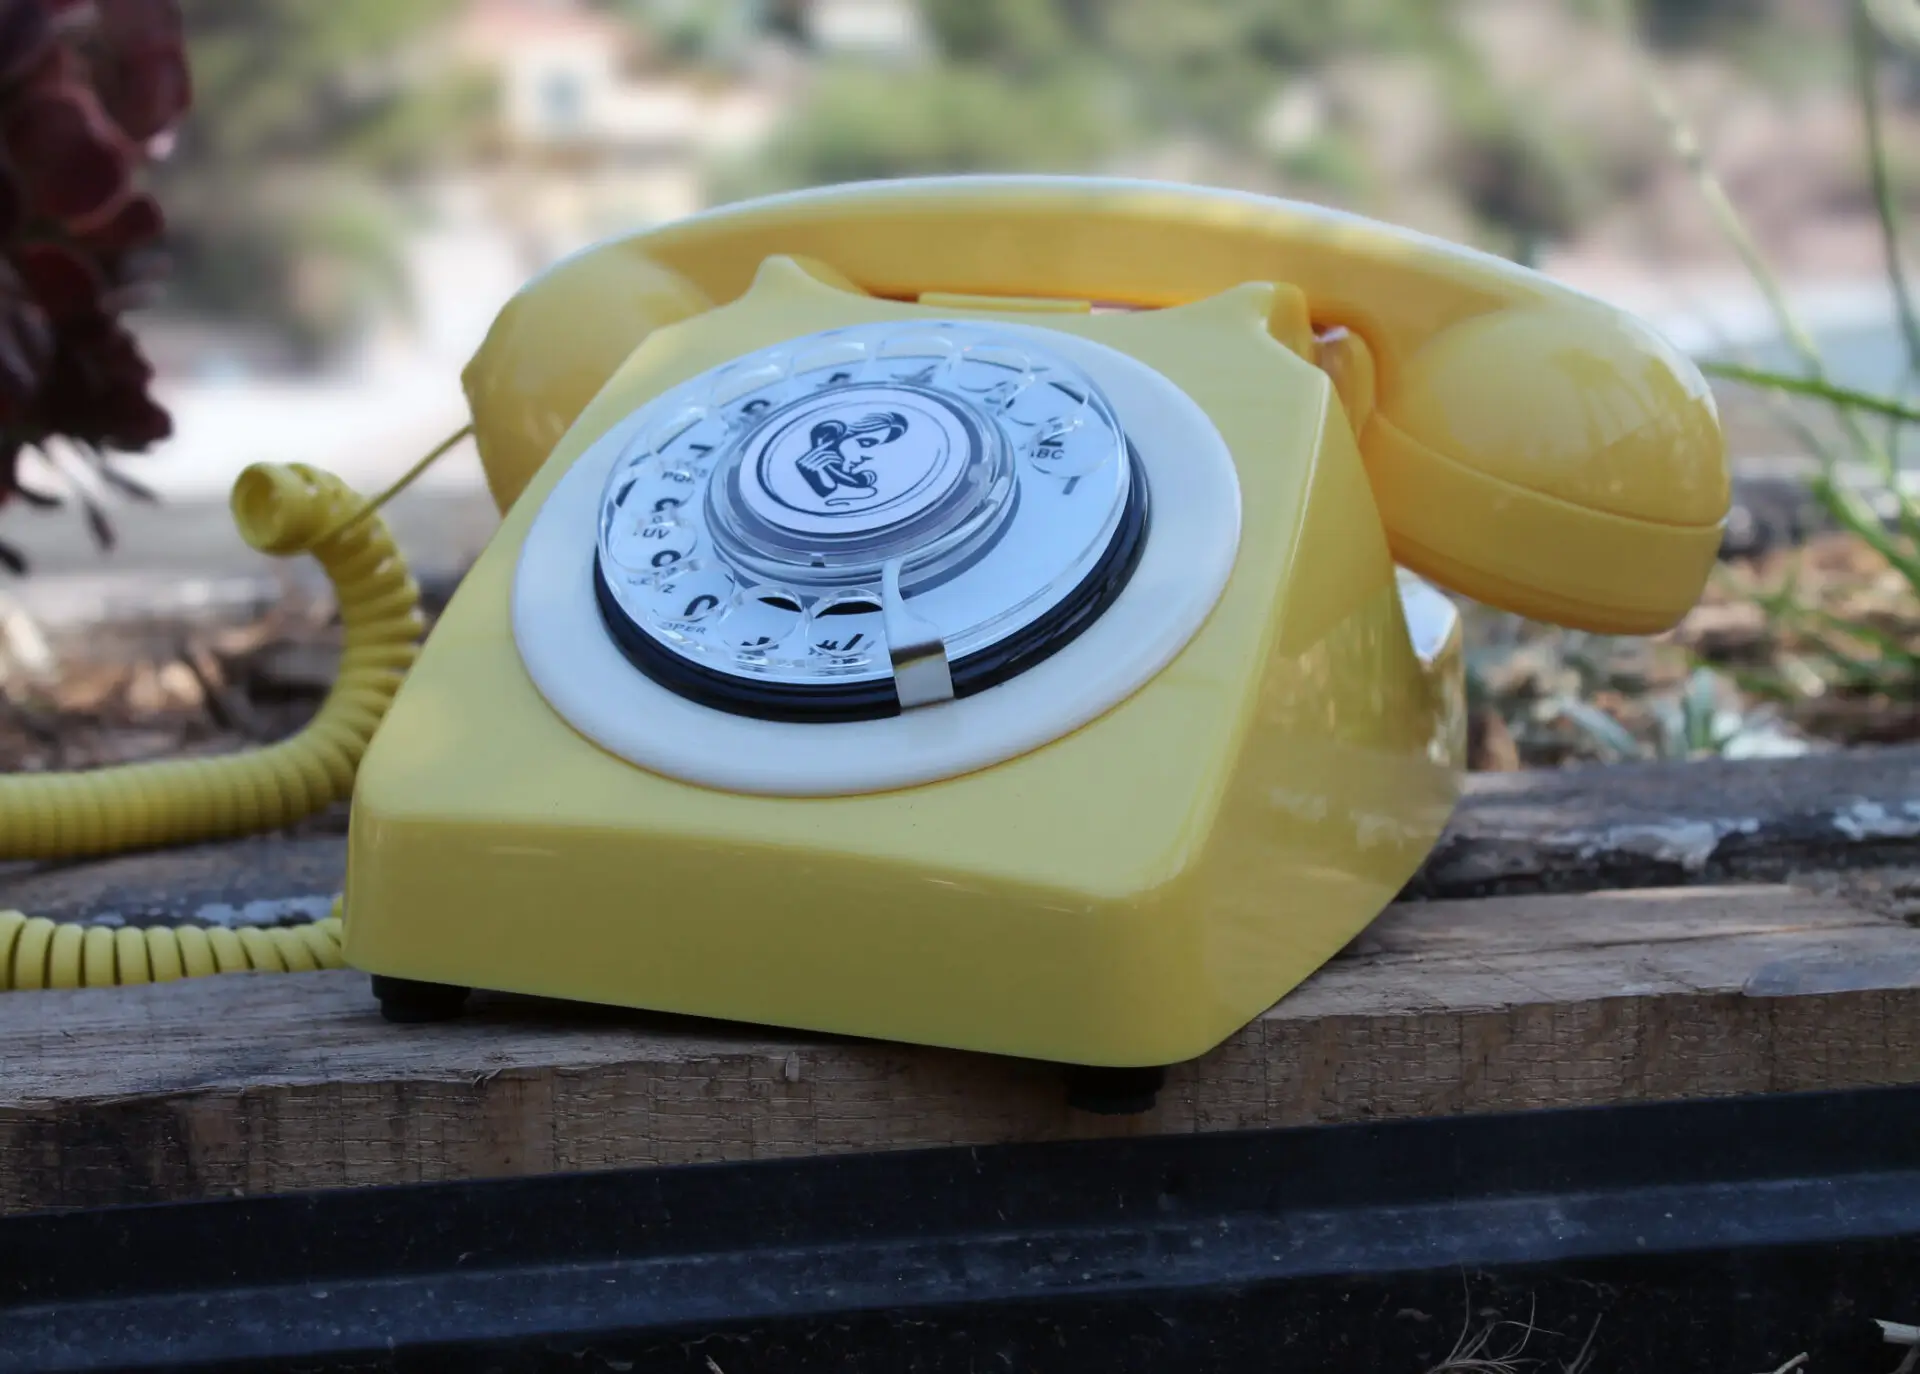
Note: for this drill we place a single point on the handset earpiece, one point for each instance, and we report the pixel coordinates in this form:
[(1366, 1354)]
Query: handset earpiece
[(1558, 461)]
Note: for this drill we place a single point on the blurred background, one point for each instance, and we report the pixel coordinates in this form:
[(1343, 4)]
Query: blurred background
[(360, 184)]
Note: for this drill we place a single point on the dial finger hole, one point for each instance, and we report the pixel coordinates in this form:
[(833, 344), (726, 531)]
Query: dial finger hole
[(922, 356), (631, 466), (688, 447), (761, 620), (652, 546), (848, 629), (834, 363), (745, 414), (992, 373), (656, 491), (1041, 404), (627, 533), (691, 598), (1072, 448), (734, 383), (659, 437)]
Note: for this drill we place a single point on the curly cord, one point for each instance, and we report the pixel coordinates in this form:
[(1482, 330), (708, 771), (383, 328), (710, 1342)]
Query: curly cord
[(282, 510), (38, 953)]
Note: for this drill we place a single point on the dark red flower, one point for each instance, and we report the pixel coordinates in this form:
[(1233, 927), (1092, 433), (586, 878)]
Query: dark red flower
[(87, 88), (25, 32), (131, 23), (27, 336), (75, 165), (96, 391), (61, 282), (25, 351), (13, 205), (144, 81), (60, 65), (138, 221)]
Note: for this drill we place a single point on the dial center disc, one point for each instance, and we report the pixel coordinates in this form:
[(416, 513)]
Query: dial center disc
[(857, 462)]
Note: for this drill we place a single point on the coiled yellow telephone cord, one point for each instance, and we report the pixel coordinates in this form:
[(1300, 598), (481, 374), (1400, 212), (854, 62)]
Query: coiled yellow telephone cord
[(282, 510)]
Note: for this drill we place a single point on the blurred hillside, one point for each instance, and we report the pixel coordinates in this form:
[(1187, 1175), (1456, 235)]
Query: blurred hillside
[(327, 138), (362, 183)]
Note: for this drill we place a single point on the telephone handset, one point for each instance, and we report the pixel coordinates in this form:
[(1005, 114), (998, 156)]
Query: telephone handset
[(1530, 447), (988, 612)]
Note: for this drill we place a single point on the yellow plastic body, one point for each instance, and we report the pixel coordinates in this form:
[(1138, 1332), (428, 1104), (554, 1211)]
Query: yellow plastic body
[(1528, 446), (1127, 895)]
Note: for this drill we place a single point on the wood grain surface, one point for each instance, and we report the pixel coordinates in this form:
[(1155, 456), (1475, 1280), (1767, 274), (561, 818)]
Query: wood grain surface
[(264, 1083)]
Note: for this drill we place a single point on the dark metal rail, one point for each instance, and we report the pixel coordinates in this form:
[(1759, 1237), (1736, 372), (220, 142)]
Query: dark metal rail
[(1712, 1236)]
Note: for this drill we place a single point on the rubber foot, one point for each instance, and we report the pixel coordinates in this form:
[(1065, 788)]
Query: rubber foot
[(408, 1003), (1114, 1092)]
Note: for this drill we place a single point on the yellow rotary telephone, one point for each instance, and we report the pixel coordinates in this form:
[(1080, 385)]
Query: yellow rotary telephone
[(979, 612)]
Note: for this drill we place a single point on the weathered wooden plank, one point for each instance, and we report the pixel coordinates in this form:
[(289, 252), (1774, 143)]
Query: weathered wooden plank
[(1661, 824), (265, 879), (1574, 830), (250, 1084)]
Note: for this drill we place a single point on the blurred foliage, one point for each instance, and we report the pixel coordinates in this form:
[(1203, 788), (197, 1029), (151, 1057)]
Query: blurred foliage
[(1016, 89), (1860, 650), (302, 112), (1523, 181), (1699, 23), (1332, 163), (1066, 85), (1806, 645), (1212, 65), (861, 126), (311, 112), (702, 33), (1017, 35), (1079, 85), (1832, 629)]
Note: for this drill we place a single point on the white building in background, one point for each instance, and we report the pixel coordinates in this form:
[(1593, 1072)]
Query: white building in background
[(579, 80), (875, 28), (596, 132)]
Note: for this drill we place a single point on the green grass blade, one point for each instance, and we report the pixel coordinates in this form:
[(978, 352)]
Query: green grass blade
[(1815, 387), (1890, 646), (1866, 53), (1865, 59), (1765, 685), (1853, 514)]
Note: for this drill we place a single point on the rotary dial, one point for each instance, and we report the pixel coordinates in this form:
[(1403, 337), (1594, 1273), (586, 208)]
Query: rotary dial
[(866, 519)]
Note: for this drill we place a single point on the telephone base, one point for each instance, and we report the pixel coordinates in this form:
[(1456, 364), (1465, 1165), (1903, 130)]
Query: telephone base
[(407, 1002), (1137, 868), (1114, 1092)]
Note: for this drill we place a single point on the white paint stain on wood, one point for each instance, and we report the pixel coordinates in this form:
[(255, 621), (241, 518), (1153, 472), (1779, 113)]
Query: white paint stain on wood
[(1688, 843), (1865, 820)]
